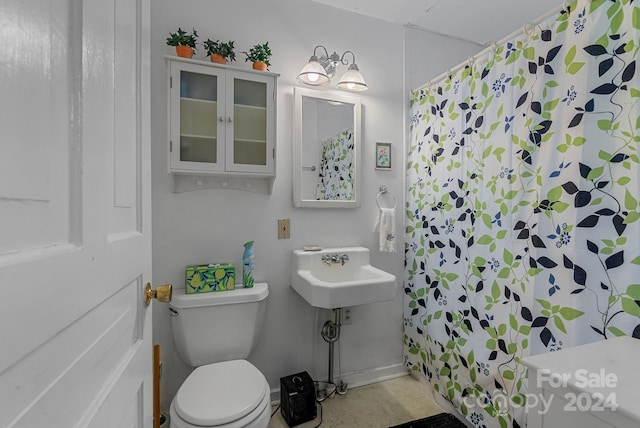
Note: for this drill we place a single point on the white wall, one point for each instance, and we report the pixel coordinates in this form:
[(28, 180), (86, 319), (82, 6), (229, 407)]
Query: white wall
[(212, 224), (428, 55)]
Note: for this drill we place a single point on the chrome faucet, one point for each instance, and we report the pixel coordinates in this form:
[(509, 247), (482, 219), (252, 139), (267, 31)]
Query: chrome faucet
[(335, 258)]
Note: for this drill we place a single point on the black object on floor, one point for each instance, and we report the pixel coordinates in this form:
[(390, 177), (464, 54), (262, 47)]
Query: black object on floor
[(297, 398), (441, 420)]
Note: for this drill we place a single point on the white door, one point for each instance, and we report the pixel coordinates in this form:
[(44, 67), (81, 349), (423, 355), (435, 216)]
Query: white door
[(75, 337)]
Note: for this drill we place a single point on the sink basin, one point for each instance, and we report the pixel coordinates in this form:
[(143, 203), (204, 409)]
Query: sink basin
[(333, 284)]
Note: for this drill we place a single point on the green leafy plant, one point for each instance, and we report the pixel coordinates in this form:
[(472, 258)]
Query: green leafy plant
[(259, 53), (182, 38), (220, 48)]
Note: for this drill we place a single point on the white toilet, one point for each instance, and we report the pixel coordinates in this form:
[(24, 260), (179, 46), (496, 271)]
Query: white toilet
[(214, 332)]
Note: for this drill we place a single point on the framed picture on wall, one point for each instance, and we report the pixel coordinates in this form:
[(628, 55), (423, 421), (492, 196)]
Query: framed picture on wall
[(383, 156)]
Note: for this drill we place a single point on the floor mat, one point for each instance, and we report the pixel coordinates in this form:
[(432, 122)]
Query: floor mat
[(441, 420)]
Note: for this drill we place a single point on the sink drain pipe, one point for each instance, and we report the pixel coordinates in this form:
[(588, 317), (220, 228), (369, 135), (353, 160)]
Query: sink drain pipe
[(331, 333)]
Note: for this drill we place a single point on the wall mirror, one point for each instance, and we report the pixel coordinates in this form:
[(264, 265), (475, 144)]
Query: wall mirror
[(326, 149)]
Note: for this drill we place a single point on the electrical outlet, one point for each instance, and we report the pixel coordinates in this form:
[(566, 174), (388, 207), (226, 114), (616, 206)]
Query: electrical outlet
[(346, 316), (283, 228)]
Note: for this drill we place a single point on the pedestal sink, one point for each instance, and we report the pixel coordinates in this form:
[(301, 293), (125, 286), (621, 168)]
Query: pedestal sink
[(340, 277)]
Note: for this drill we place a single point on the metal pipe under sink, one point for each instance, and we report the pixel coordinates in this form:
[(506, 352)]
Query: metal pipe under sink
[(331, 333)]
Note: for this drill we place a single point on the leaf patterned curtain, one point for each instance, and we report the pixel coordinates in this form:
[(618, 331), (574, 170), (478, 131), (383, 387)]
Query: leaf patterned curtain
[(335, 179), (523, 220)]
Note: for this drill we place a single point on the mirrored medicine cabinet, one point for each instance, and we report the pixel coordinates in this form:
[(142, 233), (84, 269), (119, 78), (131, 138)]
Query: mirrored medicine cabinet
[(326, 149)]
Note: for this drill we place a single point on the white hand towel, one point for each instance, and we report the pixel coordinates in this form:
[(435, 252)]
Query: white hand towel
[(386, 225)]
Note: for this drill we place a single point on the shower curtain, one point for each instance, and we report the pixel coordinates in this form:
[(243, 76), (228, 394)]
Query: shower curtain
[(335, 179), (523, 214)]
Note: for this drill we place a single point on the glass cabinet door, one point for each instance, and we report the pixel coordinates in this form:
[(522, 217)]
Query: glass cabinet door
[(197, 140), (250, 147)]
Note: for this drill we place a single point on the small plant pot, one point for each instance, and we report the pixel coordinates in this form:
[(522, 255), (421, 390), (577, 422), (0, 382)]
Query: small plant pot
[(218, 59), (258, 65), (184, 51)]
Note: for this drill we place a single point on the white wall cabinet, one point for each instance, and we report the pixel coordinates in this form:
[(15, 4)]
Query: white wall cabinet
[(222, 126)]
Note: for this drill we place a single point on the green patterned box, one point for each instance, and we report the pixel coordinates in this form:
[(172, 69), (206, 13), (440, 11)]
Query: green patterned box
[(211, 277)]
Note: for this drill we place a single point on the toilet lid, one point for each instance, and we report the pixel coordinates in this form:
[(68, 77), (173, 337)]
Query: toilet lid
[(220, 393)]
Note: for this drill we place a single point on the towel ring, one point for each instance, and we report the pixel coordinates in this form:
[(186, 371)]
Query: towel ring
[(383, 190)]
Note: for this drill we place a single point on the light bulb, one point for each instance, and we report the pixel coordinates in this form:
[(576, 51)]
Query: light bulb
[(313, 74)]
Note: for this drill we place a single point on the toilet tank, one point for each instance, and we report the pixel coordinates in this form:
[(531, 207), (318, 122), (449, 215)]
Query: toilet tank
[(218, 326)]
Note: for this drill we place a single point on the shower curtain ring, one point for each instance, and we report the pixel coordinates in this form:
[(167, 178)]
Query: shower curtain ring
[(566, 5), (494, 48), (528, 29), (470, 62)]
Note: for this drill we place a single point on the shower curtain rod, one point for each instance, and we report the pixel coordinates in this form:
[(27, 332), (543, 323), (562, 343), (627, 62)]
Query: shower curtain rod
[(494, 45)]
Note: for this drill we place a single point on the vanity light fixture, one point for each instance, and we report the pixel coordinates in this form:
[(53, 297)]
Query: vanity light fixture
[(320, 70)]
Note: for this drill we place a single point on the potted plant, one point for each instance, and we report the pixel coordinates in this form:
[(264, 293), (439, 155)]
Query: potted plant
[(184, 42), (259, 55), (220, 51)]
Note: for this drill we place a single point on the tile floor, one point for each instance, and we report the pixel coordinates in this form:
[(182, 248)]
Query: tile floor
[(378, 405)]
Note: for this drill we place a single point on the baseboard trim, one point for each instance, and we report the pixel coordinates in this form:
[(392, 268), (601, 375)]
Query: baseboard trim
[(359, 378)]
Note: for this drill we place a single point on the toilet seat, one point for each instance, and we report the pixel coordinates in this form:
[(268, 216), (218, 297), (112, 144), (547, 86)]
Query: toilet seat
[(221, 393), (259, 418)]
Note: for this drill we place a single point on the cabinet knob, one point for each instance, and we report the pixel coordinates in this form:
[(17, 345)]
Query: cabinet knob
[(220, 119), (229, 119)]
